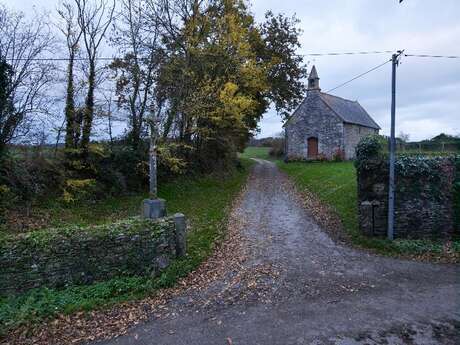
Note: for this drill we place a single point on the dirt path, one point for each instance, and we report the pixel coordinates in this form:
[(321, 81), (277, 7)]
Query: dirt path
[(296, 286)]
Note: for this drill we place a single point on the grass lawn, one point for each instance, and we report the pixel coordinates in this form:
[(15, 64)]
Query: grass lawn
[(335, 184), (256, 152), (205, 201)]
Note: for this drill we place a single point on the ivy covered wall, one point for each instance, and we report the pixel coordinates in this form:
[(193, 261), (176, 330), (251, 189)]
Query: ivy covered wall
[(427, 201), (80, 255)]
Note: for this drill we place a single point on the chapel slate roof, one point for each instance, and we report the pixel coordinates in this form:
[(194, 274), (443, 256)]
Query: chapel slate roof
[(349, 111)]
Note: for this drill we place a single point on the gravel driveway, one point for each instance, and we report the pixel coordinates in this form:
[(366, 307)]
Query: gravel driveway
[(297, 286)]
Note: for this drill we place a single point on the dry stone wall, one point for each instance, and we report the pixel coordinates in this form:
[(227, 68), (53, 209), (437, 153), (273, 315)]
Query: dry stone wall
[(61, 257), (425, 200)]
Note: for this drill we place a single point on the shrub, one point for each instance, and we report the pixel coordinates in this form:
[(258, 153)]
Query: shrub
[(29, 179), (123, 170), (5, 197), (339, 155), (77, 190), (370, 151), (321, 158), (128, 169), (171, 160), (277, 149)]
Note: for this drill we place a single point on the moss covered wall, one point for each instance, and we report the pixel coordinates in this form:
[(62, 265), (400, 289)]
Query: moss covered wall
[(425, 195), (76, 255)]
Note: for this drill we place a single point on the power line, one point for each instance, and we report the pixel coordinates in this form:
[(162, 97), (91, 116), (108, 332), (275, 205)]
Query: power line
[(348, 53), (433, 56), (309, 54), (112, 58), (359, 76), (58, 59)]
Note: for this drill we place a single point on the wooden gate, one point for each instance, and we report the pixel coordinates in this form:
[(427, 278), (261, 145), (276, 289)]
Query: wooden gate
[(312, 148)]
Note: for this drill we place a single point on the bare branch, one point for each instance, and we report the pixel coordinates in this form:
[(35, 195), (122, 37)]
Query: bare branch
[(21, 43)]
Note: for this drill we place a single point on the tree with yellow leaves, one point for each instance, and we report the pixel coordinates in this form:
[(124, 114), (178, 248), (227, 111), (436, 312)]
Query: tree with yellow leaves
[(222, 73)]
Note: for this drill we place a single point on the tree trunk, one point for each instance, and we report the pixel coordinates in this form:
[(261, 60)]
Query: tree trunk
[(110, 123), (135, 137), (88, 113), (136, 121), (58, 138), (168, 124), (2, 148), (70, 106)]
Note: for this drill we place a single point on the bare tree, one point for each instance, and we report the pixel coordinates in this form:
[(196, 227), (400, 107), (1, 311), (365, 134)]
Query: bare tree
[(110, 119), (404, 137), (23, 46), (108, 114), (93, 19), (58, 130), (138, 38), (72, 33)]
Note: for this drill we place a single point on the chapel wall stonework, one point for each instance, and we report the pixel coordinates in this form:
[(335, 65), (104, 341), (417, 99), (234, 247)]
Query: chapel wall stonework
[(313, 118), (352, 135)]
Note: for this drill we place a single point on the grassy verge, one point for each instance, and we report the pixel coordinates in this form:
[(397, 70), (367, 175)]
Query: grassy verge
[(205, 201), (334, 183)]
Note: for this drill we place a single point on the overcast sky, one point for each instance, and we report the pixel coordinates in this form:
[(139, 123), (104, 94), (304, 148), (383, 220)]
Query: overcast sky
[(428, 90)]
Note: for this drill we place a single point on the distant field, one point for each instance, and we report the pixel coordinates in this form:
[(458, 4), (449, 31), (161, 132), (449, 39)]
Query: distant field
[(256, 152)]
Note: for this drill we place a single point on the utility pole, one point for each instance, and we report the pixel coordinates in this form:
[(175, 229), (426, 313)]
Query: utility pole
[(391, 184)]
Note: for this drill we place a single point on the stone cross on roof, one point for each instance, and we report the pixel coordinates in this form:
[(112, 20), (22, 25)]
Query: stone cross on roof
[(313, 79)]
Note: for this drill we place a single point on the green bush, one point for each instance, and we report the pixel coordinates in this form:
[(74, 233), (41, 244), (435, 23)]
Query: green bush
[(339, 155), (77, 190), (5, 197), (128, 169), (277, 149), (29, 179), (31, 176), (370, 151)]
